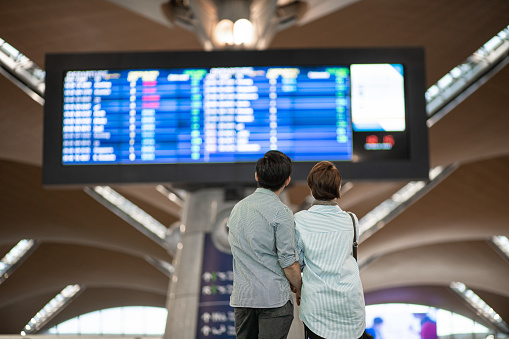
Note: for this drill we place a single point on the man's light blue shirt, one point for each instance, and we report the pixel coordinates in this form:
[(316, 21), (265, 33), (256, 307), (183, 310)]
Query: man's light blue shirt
[(332, 300), (262, 240)]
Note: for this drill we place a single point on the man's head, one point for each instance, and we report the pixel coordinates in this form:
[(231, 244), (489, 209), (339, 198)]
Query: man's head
[(273, 170)]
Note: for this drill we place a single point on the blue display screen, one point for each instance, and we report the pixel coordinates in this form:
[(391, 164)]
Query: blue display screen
[(226, 115)]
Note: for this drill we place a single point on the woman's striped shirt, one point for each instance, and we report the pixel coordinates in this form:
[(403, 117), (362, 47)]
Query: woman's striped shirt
[(332, 301)]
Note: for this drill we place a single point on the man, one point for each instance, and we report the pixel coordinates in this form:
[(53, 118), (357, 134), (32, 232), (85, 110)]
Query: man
[(265, 262)]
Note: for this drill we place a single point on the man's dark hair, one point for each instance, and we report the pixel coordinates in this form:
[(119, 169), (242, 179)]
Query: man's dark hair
[(273, 170), (324, 181)]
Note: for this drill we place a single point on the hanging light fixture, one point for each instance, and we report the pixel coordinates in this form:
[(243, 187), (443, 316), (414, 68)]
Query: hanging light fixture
[(234, 27), (243, 32), (224, 32)]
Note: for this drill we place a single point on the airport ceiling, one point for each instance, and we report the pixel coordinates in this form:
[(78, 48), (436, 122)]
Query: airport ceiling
[(442, 237)]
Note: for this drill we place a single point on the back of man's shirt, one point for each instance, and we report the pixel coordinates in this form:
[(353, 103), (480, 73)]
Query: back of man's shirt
[(262, 240)]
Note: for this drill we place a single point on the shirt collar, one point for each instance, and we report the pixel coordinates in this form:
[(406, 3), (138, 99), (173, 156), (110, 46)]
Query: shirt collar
[(266, 191), (320, 207)]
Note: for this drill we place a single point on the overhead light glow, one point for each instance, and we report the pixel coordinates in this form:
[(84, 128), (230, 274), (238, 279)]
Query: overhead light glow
[(461, 77), (51, 309), (27, 75), (478, 304), (502, 243), (224, 32), (371, 219), (11, 51), (163, 266), (381, 215), (15, 255), (434, 172), (243, 32), (172, 196), (133, 211)]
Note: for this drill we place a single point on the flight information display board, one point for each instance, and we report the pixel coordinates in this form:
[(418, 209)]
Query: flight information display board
[(221, 111), (207, 115)]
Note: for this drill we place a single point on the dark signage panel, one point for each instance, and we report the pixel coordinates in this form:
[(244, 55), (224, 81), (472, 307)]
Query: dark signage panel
[(204, 118), (215, 315)]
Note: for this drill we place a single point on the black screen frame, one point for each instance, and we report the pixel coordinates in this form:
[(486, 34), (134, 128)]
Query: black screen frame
[(232, 174)]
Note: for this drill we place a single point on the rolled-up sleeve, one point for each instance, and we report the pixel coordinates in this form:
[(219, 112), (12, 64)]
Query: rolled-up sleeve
[(284, 231)]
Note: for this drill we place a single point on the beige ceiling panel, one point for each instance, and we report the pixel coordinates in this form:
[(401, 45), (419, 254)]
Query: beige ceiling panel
[(470, 262), (470, 204), (54, 266), (65, 216)]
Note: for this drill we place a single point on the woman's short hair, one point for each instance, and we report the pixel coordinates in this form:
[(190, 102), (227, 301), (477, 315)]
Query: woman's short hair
[(324, 181), (273, 170)]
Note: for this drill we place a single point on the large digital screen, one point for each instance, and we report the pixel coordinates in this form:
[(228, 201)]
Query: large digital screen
[(204, 118), (396, 321)]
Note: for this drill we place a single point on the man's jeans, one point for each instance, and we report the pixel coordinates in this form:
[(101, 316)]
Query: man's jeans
[(263, 323)]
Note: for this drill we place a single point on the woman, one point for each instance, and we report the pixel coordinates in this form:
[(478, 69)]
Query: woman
[(332, 299)]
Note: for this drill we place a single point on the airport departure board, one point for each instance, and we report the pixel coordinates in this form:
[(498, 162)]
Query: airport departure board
[(226, 114), (195, 114)]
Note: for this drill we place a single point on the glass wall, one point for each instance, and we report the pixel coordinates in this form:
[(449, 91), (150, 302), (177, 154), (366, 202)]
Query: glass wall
[(394, 321), (134, 320), (387, 321)]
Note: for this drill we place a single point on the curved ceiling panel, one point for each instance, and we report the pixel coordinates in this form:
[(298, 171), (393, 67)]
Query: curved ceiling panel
[(20, 125), (449, 31), (69, 216), (37, 28), (469, 262), (470, 204), (15, 316), (151, 201), (477, 128), (53, 266)]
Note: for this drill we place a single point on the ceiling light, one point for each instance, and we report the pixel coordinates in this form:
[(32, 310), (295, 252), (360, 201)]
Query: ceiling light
[(22, 71), (462, 77), (478, 304), (390, 208), (224, 32), (502, 243), (133, 211), (51, 309), (165, 267), (15, 256), (243, 32), (171, 194)]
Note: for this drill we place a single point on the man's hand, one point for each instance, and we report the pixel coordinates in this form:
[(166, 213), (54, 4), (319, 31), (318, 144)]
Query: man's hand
[(292, 273), (297, 296)]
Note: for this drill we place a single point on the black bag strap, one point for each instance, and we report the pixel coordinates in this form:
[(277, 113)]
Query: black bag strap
[(355, 243)]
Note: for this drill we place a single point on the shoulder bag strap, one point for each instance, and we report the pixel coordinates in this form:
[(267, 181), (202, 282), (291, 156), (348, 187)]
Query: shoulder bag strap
[(355, 244)]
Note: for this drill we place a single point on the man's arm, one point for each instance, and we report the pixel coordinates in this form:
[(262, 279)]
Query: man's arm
[(292, 273)]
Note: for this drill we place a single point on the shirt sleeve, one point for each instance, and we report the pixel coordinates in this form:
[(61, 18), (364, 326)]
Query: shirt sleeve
[(300, 248), (284, 232)]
